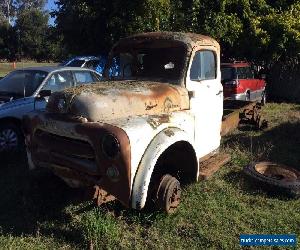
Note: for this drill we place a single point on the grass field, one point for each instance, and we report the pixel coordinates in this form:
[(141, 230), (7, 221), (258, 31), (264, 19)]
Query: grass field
[(38, 211), (7, 67)]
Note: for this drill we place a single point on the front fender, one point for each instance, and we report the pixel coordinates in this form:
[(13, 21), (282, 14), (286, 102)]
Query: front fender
[(158, 145)]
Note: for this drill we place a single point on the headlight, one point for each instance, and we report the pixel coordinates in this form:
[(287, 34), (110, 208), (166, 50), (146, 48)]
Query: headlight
[(110, 146)]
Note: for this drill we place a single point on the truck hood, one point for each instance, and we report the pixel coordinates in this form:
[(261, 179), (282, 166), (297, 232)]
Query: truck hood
[(118, 99)]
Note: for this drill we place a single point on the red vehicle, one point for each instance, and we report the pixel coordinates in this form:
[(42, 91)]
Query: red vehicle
[(240, 82)]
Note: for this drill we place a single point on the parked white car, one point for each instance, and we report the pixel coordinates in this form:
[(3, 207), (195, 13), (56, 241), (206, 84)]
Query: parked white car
[(24, 90)]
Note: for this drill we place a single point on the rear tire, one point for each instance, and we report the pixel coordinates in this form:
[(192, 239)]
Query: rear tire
[(247, 98), (168, 194), (263, 98)]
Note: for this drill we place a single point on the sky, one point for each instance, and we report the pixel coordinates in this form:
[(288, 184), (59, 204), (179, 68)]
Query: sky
[(50, 6)]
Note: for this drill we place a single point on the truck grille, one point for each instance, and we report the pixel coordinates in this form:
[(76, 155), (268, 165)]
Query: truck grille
[(61, 145)]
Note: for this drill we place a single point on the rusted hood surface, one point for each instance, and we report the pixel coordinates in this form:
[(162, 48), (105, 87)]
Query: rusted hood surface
[(116, 99)]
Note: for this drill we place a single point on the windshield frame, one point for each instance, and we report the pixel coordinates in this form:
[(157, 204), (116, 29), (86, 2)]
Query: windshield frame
[(135, 44)]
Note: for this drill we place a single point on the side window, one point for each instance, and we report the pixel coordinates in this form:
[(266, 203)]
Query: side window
[(250, 73), (242, 73), (59, 81), (83, 77), (203, 66)]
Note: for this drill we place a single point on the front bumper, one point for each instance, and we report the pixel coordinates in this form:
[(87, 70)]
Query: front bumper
[(72, 149)]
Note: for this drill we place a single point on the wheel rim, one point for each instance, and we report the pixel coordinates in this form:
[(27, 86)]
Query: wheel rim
[(168, 194), (8, 139), (174, 199), (277, 171)]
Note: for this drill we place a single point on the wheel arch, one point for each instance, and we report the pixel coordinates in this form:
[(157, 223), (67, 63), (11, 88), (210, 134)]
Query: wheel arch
[(164, 145), (13, 120)]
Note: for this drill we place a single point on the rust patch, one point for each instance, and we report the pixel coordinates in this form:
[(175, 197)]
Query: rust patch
[(150, 106), (102, 101), (157, 120), (169, 132), (212, 165), (84, 155), (101, 196), (189, 39)]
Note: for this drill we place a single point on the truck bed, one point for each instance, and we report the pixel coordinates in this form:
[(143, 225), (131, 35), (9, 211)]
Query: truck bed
[(235, 111)]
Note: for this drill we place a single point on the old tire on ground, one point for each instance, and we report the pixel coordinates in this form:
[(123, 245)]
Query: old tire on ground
[(168, 194), (276, 178), (11, 138)]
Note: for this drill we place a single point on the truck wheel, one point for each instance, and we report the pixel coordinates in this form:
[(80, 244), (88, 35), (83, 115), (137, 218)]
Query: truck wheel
[(11, 139), (263, 98), (168, 194), (276, 178), (247, 98)]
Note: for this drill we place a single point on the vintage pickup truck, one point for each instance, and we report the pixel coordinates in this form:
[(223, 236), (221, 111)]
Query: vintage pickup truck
[(147, 130)]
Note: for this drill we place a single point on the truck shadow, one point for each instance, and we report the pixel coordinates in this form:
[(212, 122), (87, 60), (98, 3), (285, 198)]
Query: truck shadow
[(30, 198), (280, 144), (36, 202)]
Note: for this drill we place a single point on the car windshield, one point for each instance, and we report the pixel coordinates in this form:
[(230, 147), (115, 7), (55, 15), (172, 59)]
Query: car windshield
[(76, 63), (22, 82), (228, 73), (161, 63)]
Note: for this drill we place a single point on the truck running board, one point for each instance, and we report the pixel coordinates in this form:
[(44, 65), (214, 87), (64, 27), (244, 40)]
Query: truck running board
[(211, 165)]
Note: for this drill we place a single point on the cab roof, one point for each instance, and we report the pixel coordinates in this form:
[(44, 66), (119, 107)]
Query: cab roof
[(189, 39)]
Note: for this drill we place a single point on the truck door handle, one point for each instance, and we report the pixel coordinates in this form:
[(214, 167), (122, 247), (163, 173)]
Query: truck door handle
[(220, 92)]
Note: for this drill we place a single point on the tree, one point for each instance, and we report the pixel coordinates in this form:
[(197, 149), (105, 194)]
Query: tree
[(32, 28), (22, 5), (6, 10)]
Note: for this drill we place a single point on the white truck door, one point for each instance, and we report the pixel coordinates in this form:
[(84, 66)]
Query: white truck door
[(206, 103)]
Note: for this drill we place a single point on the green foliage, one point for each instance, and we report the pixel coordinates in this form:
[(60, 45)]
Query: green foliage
[(256, 30), (262, 31), (100, 229), (32, 27), (8, 41)]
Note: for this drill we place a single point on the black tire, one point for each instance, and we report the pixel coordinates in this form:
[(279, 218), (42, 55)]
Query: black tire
[(263, 98), (168, 194), (275, 178), (247, 98), (11, 138)]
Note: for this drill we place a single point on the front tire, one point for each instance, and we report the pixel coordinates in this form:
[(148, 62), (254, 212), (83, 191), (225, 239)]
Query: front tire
[(11, 138), (168, 194)]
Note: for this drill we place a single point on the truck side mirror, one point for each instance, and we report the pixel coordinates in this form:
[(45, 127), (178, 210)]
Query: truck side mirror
[(191, 94), (44, 93)]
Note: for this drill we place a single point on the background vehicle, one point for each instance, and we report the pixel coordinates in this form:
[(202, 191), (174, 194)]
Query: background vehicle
[(141, 136), (22, 91), (82, 62), (90, 62), (240, 82)]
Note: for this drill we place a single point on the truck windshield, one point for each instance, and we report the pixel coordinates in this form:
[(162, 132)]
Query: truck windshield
[(21, 82), (162, 64), (228, 73)]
